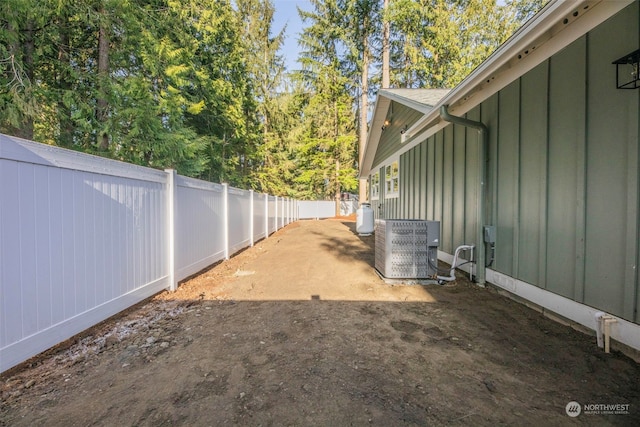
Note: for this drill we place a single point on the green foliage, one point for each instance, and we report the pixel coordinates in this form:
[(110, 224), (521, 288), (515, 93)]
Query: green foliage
[(175, 92), (436, 43), (328, 151), (200, 85)]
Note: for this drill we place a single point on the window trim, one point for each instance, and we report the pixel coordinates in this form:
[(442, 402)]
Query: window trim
[(392, 191), (375, 186)]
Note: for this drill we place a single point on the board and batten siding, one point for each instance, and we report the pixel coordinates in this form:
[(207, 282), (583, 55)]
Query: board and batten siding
[(562, 174)]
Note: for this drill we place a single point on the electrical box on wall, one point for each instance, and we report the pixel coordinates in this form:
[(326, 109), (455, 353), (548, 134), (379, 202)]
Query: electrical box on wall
[(489, 233), (406, 249)]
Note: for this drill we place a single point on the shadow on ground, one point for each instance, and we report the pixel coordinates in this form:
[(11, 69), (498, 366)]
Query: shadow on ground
[(214, 353), (360, 248)]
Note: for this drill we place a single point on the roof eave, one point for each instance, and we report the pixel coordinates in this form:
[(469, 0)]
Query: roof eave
[(373, 136), (552, 21), (418, 106)]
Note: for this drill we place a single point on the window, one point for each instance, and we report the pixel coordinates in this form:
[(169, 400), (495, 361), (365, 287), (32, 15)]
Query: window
[(375, 186), (391, 179)]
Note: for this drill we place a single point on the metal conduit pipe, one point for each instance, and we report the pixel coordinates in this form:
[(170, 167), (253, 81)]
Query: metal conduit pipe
[(483, 132)]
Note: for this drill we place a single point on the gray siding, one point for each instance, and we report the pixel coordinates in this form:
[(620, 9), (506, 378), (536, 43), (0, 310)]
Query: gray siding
[(562, 174), (448, 219), (611, 170), (566, 183), (508, 180), (533, 172)]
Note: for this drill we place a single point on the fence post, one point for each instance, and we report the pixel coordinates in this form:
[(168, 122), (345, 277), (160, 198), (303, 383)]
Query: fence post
[(171, 227), (266, 216), (251, 218), (276, 214), (225, 207)]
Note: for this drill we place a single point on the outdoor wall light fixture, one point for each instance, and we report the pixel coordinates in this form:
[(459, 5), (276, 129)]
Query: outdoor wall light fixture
[(403, 134), (386, 124), (628, 71)]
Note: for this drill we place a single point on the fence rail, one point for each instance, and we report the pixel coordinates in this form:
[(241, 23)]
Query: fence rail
[(83, 238)]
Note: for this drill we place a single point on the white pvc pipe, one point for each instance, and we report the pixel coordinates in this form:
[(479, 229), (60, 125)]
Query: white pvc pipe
[(603, 329), (599, 315), (452, 272)]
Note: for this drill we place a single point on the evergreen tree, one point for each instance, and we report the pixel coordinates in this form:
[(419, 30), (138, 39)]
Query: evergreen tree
[(265, 73), (200, 85), (329, 144)]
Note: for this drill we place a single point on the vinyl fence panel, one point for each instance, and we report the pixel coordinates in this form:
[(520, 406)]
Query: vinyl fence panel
[(348, 207), (282, 211), (259, 224), (83, 238), (316, 209), (273, 206), (77, 243), (239, 219), (199, 226)]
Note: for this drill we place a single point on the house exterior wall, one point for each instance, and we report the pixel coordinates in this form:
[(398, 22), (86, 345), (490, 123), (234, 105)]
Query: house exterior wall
[(562, 181)]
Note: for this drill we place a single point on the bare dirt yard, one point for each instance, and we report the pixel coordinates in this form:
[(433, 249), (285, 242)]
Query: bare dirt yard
[(300, 331)]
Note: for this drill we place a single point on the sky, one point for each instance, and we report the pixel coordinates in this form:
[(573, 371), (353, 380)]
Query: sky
[(287, 14)]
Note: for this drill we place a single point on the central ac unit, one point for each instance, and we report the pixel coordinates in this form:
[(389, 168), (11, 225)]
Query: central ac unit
[(406, 249)]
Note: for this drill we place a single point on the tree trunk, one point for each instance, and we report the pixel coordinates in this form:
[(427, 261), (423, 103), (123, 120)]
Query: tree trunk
[(64, 84), (386, 80), (24, 48), (336, 132), (102, 105), (364, 107), (338, 192)]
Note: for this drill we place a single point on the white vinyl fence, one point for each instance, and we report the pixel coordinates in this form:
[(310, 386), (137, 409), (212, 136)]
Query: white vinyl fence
[(348, 207), (316, 209), (83, 238), (319, 209)]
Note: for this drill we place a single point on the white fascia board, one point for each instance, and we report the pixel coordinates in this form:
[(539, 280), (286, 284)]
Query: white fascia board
[(539, 39), (373, 136)]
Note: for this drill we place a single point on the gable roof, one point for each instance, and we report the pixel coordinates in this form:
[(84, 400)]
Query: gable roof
[(422, 100), (554, 27)]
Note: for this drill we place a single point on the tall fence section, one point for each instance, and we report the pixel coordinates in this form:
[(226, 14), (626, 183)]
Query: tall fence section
[(83, 238), (319, 209)]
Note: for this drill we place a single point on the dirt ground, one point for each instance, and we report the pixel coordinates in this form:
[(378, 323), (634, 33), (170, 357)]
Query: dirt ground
[(300, 331)]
